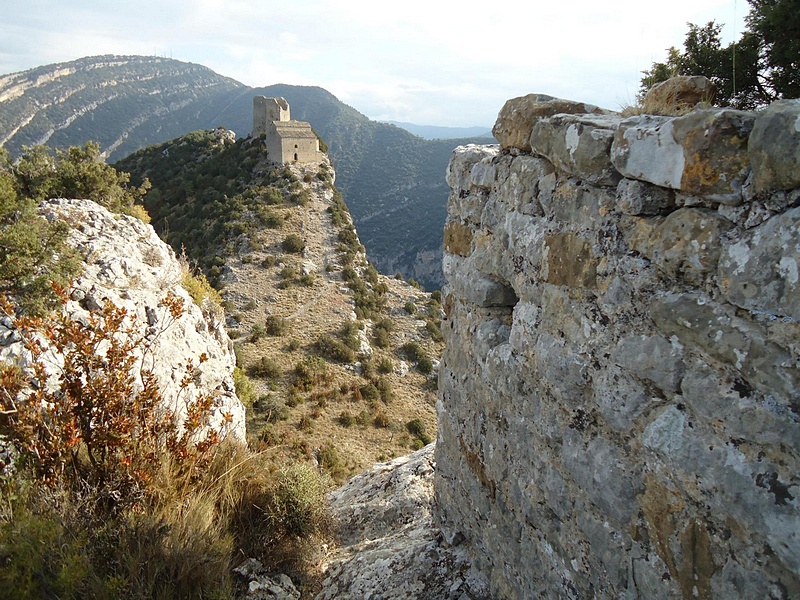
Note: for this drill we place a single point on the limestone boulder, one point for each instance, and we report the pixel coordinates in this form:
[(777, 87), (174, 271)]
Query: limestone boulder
[(518, 116), (471, 285), (702, 154), (678, 94), (774, 147), (579, 145), (467, 201), (126, 264)]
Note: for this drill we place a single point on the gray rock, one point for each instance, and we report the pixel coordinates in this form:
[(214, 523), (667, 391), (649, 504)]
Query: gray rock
[(640, 198), (760, 271), (677, 94), (774, 147), (686, 244), (579, 145), (703, 153), (125, 263)]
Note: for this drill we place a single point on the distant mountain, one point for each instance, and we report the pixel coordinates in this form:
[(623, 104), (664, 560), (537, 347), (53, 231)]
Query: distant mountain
[(437, 132), (392, 180)]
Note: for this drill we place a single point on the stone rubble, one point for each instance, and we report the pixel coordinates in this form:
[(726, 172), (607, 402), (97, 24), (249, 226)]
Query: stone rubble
[(619, 397)]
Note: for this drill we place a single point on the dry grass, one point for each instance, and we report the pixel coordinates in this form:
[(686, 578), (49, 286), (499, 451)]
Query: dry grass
[(321, 312), (181, 541)]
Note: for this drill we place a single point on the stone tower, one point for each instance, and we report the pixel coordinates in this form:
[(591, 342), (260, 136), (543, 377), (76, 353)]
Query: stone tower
[(286, 140)]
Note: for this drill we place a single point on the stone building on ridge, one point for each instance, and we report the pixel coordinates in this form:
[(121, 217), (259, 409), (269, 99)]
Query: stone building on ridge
[(286, 140)]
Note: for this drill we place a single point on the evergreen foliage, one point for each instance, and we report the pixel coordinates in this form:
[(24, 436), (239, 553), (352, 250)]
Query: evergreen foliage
[(764, 65)]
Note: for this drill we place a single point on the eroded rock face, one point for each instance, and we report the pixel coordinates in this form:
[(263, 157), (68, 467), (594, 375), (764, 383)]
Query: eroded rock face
[(390, 547), (125, 263), (619, 397)]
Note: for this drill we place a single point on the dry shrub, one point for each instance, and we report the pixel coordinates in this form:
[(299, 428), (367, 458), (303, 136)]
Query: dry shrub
[(112, 497)]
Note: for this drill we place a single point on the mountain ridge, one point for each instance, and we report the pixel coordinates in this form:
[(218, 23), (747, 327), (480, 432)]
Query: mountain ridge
[(392, 181)]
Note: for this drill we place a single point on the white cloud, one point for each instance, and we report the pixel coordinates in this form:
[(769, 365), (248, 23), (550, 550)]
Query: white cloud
[(442, 62)]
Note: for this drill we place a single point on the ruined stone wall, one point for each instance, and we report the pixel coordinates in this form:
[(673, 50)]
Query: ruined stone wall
[(620, 393)]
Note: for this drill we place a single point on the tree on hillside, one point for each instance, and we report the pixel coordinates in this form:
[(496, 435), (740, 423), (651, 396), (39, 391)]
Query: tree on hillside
[(764, 65)]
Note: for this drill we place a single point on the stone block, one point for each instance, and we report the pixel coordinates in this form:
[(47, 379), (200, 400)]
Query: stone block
[(519, 187), (774, 147), (518, 115), (761, 270), (463, 159), (641, 198), (604, 473), (568, 260), (703, 153), (685, 244), (483, 174), (578, 145), (705, 326), (651, 358)]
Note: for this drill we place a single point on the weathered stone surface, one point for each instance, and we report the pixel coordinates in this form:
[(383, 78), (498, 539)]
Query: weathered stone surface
[(640, 198), (466, 200), (518, 115), (569, 260), (703, 153), (774, 147), (457, 238), (389, 546), (579, 145), (703, 325), (678, 94), (629, 427), (686, 244), (761, 270), (652, 358), (476, 287), (125, 263)]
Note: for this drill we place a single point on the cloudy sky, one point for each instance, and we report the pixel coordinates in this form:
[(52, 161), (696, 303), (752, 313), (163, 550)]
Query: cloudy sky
[(430, 62)]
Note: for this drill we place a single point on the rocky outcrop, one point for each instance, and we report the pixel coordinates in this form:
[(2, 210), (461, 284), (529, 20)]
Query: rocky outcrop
[(126, 264), (619, 398), (389, 546)]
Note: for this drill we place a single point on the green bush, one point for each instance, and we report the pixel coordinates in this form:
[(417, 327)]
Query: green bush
[(293, 243), (416, 427), (346, 419), (265, 368), (245, 389), (256, 333), (333, 349), (273, 196), (275, 325), (273, 409), (385, 365)]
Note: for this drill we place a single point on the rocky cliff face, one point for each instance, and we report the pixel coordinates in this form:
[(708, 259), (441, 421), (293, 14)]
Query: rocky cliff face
[(619, 396), (125, 263)]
